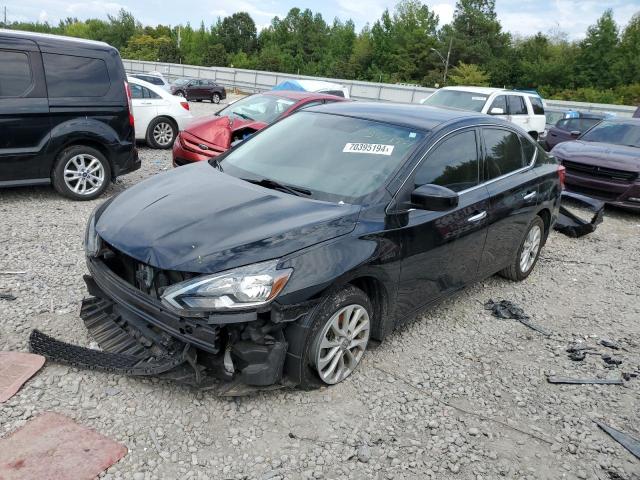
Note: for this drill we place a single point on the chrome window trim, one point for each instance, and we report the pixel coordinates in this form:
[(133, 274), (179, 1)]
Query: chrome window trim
[(488, 182)]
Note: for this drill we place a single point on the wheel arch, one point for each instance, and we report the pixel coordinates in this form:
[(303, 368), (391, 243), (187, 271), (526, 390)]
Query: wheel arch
[(545, 214), (378, 294)]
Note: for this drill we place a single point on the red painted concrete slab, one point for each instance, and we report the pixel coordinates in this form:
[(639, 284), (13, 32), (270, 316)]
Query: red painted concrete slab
[(54, 447), (15, 369)]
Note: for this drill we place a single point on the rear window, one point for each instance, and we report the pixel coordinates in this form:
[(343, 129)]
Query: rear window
[(337, 93), (69, 76), (15, 74), (538, 107), (504, 152)]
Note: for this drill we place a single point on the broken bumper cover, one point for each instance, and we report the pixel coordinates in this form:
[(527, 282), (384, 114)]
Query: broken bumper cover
[(139, 336), (572, 225)]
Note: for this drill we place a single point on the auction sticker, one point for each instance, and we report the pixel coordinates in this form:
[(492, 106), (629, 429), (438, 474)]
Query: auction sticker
[(372, 148)]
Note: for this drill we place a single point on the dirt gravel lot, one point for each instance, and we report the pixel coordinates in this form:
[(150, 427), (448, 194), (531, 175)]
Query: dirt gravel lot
[(456, 393)]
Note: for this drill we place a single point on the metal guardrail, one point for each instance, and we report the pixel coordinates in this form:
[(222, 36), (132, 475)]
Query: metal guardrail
[(258, 81)]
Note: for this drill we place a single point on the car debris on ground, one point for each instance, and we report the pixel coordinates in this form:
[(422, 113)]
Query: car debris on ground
[(585, 381), (15, 369), (7, 296), (53, 446), (571, 224), (505, 309), (627, 441)]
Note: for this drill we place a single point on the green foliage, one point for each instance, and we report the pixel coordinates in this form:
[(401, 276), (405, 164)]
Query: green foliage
[(404, 45), (468, 74)]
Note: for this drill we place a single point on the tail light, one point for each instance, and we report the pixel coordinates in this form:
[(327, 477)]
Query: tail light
[(185, 105), (562, 171), (127, 89)]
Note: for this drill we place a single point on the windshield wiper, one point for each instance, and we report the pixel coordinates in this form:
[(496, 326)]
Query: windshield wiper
[(268, 183)]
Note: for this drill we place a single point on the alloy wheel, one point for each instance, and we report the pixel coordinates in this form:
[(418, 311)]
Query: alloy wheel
[(530, 248), (84, 174), (163, 133), (341, 344)]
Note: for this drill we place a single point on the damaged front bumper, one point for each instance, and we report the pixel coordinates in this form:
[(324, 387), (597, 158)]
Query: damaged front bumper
[(571, 224), (138, 335)]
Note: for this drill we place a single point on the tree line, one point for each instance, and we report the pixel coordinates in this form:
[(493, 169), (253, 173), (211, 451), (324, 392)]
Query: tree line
[(405, 45)]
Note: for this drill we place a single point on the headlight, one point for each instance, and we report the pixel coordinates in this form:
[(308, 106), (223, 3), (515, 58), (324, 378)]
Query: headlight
[(92, 242), (244, 287)]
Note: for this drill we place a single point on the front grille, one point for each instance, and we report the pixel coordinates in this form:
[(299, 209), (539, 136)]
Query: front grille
[(600, 172), (146, 278)]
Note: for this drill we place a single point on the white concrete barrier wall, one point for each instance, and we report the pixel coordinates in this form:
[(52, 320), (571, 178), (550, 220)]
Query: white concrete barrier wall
[(258, 81)]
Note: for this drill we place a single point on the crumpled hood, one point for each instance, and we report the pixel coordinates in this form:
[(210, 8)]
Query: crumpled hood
[(600, 154), (197, 219), (218, 131)]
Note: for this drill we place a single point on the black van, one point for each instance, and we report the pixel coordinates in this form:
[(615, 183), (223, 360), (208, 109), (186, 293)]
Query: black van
[(65, 114)]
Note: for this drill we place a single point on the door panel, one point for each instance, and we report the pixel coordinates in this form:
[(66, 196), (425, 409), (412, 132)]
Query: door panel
[(513, 195), (24, 112), (442, 250)]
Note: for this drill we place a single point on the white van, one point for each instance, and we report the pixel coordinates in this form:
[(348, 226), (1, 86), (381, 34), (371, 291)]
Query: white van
[(524, 109)]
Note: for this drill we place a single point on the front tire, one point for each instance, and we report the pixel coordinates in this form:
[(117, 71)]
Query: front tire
[(81, 173), (528, 253), (215, 98), (336, 337), (161, 133)]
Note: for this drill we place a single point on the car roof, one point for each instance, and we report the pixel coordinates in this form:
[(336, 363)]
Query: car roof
[(154, 88), (297, 96), (54, 40), (490, 90), (403, 114)]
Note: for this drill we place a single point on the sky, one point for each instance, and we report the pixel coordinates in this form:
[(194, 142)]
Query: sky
[(520, 17)]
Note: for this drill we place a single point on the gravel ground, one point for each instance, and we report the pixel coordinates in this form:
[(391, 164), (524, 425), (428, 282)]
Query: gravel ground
[(456, 393)]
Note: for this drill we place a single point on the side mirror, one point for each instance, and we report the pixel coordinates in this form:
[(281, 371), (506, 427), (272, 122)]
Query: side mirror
[(434, 198), (575, 133), (496, 111)]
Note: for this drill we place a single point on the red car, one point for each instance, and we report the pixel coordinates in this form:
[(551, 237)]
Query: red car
[(209, 137)]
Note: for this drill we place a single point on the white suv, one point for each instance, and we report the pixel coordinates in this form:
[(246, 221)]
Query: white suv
[(524, 109)]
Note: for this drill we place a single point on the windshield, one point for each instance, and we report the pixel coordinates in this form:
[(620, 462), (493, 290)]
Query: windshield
[(456, 99), (264, 108), (614, 132), (335, 158), (554, 117)]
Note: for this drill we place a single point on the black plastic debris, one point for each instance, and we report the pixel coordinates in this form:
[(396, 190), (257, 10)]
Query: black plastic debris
[(609, 344), (577, 356), (572, 225), (585, 381), (505, 309), (609, 360), (627, 441), (7, 296)]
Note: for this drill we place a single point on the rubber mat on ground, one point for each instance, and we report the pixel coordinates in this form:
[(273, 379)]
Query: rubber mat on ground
[(54, 447), (15, 369)]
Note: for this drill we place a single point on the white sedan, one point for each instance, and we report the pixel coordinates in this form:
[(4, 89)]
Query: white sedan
[(159, 116)]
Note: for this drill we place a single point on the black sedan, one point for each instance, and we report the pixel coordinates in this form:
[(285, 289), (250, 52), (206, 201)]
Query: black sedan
[(279, 261), (199, 89)]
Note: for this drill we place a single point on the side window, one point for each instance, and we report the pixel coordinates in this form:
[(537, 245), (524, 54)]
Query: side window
[(570, 124), (538, 107), (517, 105), (69, 76), (453, 163), (137, 91), (528, 150), (15, 74), (337, 93), (149, 94), (503, 152), (499, 102)]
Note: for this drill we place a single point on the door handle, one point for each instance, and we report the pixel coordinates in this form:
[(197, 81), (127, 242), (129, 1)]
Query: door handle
[(146, 103), (530, 195), (477, 217)]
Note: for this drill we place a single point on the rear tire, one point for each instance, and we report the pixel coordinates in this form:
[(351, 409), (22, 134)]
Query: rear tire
[(329, 342), (81, 173), (528, 253), (162, 132)]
